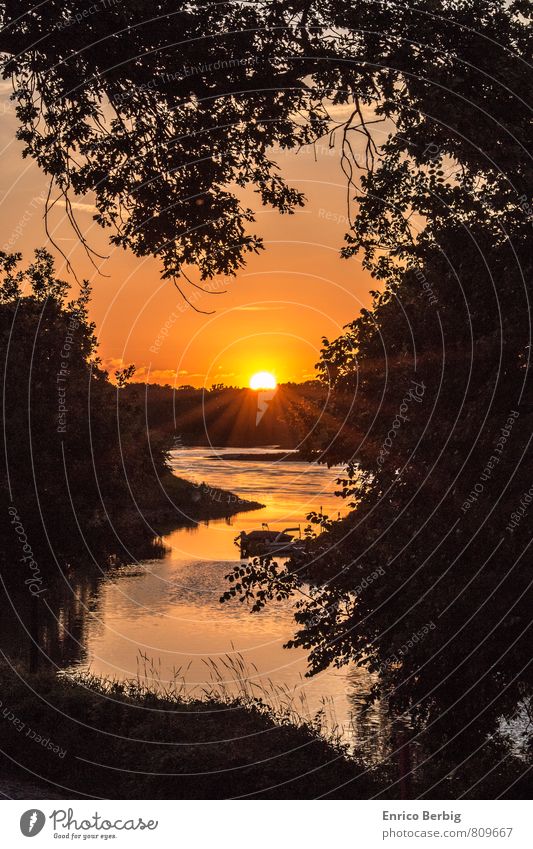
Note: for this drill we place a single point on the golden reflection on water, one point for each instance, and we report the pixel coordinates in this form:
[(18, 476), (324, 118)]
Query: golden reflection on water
[(169, 609)]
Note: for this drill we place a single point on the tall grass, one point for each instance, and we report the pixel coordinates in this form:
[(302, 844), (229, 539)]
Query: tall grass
[(230, 681)]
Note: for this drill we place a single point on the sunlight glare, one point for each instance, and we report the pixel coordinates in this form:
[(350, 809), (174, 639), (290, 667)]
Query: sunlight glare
[(263, 380)]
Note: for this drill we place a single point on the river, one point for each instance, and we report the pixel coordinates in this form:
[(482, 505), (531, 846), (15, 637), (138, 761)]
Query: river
[(162, 615)]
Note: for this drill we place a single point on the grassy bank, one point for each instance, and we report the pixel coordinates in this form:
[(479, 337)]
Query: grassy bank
[(178, 499), (92, 738)]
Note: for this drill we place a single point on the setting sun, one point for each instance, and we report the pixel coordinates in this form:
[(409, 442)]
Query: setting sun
[(263, 380)]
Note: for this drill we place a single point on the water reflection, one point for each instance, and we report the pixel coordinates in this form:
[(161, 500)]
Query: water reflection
[(166, 607), (51, 630)]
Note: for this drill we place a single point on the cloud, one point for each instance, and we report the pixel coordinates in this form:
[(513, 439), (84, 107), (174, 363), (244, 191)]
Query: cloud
[(112, 363), (145, 374)]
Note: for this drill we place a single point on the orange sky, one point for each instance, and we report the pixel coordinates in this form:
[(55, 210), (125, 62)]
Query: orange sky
[(272, 316)]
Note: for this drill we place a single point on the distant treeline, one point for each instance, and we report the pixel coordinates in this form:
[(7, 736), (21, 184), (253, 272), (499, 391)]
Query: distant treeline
[(292, 417)]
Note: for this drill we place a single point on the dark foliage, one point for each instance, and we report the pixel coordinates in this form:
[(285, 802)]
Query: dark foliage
[(123, 742), (79, 460), (165, 110)]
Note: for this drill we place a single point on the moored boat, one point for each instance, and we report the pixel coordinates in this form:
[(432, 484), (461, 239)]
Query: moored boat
[(267, 543)]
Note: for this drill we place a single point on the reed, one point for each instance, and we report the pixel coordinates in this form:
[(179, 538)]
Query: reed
[(231, 681)]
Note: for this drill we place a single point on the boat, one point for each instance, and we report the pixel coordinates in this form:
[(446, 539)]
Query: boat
[(267, 543)]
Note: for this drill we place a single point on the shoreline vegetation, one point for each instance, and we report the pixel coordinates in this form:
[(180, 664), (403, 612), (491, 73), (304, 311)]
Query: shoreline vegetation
[(164, 744), (189, 502)]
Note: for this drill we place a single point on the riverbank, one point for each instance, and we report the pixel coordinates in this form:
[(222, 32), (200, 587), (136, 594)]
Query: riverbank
[(130, 523), (92, 738), (177, 500), (267, 457)]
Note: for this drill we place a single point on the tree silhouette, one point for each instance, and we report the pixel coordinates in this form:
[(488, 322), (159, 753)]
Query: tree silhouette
[(166, 110)]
